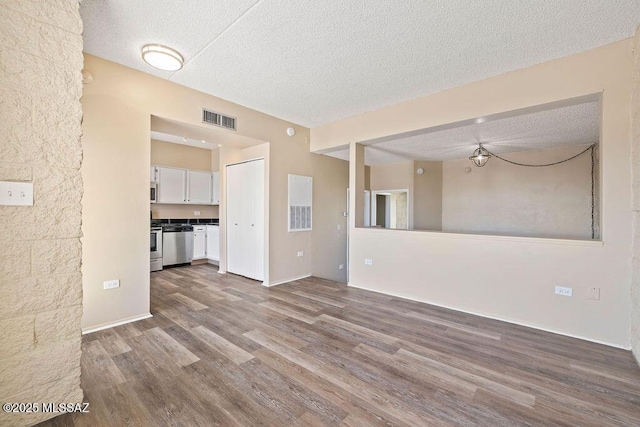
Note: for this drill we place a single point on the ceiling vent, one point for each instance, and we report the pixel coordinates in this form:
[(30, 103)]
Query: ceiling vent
[(217, 119)]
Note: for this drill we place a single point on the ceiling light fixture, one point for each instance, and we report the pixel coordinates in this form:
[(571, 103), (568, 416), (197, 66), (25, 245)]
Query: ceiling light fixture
[(480, 156), (162, 57)]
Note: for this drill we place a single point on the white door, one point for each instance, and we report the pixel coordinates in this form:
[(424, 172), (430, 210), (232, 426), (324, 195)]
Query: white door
[(235, 236), (248, 224), (215, 190), (258, 219), (172, 185), (199, 185), (245, 219)]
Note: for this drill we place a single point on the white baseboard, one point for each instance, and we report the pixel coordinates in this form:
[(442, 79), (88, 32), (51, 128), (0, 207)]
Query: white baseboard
[(117, 323), (487, 316), (282, 282)]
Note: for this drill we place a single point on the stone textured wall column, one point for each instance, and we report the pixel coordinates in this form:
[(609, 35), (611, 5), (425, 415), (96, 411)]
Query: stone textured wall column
[(635, 169), (40, 251)]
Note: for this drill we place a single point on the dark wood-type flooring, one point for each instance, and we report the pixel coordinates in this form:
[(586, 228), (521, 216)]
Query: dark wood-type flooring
[(223, 350)]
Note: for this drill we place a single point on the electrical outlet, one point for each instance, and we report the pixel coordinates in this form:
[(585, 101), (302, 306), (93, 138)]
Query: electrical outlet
[(300, 253), (341, 266), (594, 293), (110, 284), (196, 213), (567, 292), (368, 261)]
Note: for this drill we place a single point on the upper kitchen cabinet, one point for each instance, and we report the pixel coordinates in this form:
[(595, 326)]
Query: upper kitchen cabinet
[(215, 199), (200, 188), (172, 185), (182, 186)]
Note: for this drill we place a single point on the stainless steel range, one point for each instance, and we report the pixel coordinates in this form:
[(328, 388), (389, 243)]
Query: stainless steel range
[(177, 244), (156, 248)]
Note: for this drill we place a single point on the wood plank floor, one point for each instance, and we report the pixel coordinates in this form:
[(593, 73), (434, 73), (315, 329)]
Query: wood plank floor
[(223, 350)]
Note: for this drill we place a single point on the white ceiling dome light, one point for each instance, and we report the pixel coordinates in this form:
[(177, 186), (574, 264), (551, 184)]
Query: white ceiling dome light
[(291, 131), (162, 57)]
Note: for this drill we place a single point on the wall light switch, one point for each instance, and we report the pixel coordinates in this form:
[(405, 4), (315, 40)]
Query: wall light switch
[(368, 261), (300, 253), (110, 284), (339, 227), (567, 292), (341, 267), (16, 193)]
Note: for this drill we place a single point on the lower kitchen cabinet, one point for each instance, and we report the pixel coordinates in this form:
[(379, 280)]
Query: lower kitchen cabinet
[(199, 242), (213, 243)]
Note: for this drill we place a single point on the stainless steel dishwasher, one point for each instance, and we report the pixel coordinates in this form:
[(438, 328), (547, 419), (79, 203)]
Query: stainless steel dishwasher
[(177, 244)]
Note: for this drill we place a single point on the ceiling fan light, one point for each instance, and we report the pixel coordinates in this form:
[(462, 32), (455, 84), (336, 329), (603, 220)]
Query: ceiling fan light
[(162, 57), (480, 156)]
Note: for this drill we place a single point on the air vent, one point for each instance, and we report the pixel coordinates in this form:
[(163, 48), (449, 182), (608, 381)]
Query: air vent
[(217, 119)]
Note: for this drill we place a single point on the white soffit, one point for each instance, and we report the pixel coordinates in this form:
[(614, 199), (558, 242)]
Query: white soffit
[(314, 62), (574, 125), (175, 139), (167, 130)]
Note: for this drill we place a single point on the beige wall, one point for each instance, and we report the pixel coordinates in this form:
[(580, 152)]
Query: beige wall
[(186, 157), (329, 236), (504, 199), (394, 176), (117, 110), (427, 196), (635, 162), (181, 156), (40, 279), (518, 274), (425, 191), (367, 177)]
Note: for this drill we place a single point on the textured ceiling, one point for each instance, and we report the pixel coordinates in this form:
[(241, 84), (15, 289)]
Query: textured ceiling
[(314, 62), (553, 128)]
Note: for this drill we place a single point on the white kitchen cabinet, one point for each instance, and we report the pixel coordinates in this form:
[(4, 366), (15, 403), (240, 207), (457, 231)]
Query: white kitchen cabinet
[(213, 243), (199, 187), (245, 219), (215, 192), (181, 186), (199, 242), (172, 185)]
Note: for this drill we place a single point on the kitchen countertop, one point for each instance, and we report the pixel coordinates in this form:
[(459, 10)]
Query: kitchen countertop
[(190, 221)]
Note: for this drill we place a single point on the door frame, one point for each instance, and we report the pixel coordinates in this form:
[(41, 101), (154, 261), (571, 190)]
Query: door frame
[(383, 192)]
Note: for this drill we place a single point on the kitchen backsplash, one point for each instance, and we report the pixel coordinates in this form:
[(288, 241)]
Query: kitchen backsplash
[(183, 211), (213, 221)]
